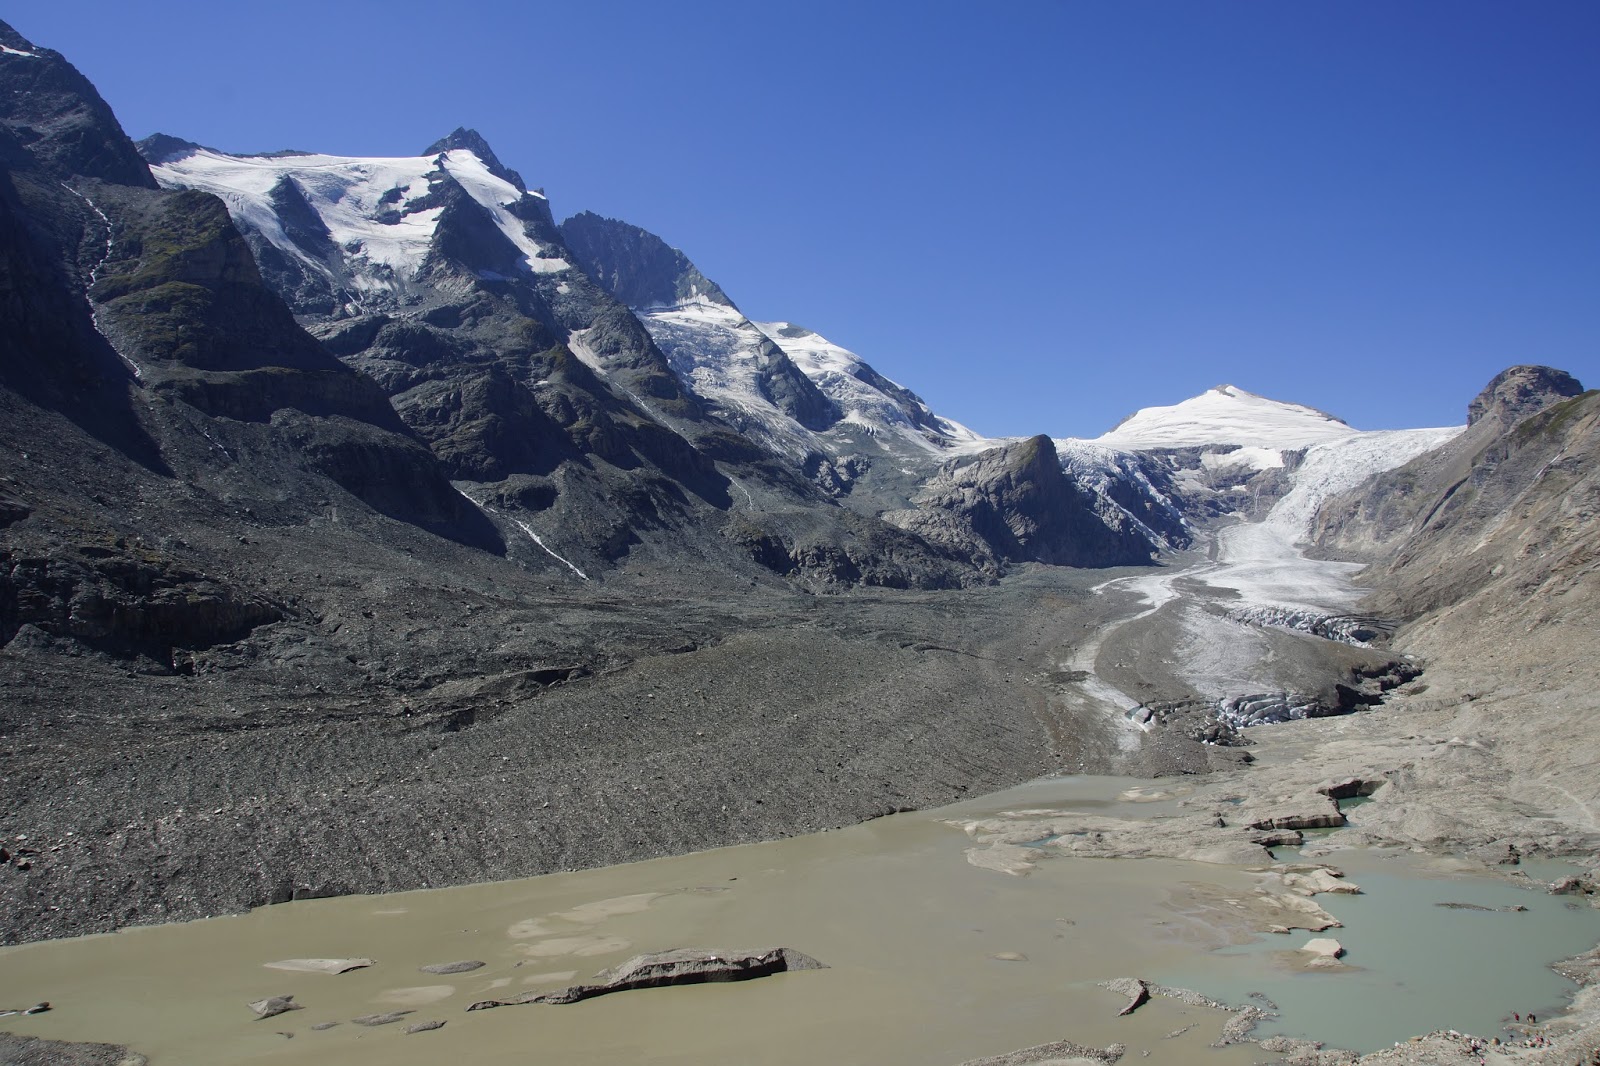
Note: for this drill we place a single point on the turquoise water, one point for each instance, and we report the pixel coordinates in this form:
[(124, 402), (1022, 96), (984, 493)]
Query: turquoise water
[(1410, 960)]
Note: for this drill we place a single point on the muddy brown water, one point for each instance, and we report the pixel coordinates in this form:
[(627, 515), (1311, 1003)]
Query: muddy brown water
[(931, 960), (908, 929)]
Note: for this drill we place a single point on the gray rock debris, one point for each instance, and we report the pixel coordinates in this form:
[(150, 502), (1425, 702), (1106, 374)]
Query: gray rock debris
[(1057, 1051), (681, 966), (464, 966), (425, 1027), (1137, 991), (273, 1006)]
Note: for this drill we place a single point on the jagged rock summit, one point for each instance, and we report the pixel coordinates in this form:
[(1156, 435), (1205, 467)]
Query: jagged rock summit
[(473, 141), (1520, 391)]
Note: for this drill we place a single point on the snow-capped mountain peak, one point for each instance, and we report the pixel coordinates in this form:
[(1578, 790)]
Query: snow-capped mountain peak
[(1226, 415), (365, 226)]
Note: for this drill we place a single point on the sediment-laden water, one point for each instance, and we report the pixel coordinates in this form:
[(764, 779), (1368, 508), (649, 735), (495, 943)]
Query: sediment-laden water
[(931, 960)]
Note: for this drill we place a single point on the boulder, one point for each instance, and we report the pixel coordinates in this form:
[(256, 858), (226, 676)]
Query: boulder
[(1136, 990), (1573, 885), (1497, 853), (1325, 947), (1314, 812), (1291, 912), (1278, 838), (1343, 788), (464, 966), (273, 1006), (1309, 882), (425, 1027), (681, 966)]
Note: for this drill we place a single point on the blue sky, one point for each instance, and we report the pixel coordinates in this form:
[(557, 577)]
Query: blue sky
[(1040, 216)]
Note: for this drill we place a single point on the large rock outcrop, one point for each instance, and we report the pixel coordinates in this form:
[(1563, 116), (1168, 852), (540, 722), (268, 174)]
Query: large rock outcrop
[(1014, 504)]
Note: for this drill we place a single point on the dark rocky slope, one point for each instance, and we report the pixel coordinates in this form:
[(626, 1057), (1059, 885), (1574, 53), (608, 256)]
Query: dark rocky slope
[(1014, 504), (1515, 528), (51, 111)]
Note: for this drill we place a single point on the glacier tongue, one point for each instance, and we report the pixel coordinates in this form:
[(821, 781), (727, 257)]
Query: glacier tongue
[(1263, 561)]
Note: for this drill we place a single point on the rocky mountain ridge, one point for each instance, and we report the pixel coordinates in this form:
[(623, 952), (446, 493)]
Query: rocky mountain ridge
[(485, 357)]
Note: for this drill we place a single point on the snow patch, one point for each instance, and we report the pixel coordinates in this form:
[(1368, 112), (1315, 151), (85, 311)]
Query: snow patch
[(838, 373), (720, 355), (8, 50), (348, 194), (548, 550), (579, 347), (493, 194), (1248, 458)]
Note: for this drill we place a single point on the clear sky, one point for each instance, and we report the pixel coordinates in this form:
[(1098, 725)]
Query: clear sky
[(1040, 216)]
